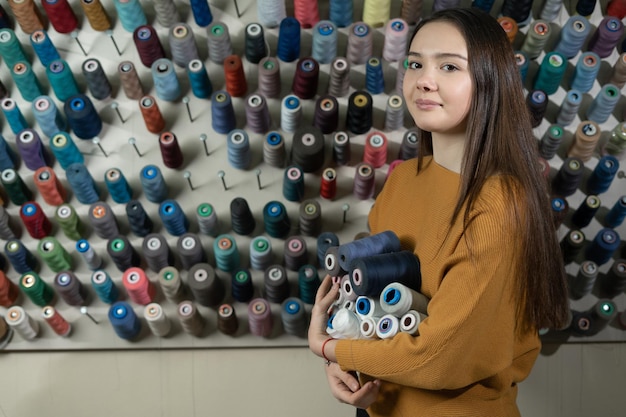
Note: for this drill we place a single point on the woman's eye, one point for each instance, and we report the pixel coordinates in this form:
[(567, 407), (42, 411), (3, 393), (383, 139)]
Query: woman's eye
[(449, 67), (414, 65)]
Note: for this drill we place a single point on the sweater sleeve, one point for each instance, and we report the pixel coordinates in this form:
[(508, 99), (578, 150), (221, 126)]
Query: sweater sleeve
[(469, 334)]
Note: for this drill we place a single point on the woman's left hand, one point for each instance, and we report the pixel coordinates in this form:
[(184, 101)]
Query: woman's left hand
[(326, 295)]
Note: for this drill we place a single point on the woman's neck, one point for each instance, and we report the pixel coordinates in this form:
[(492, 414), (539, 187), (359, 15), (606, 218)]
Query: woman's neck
[(448, 150)]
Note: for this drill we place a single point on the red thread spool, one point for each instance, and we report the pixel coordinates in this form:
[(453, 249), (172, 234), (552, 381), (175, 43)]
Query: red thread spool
[(8, 291), (49, 186), (375, 149), (306, 12), (35, 220), (616, 8), (148, 45), (328, 188), (544, 168), (56, 321), (140, 289), (393, 166), (61, 15), (151, 114), (234, 76), (170, 150)]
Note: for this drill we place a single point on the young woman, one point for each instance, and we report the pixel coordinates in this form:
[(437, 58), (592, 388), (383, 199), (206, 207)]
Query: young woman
[(474, 209)]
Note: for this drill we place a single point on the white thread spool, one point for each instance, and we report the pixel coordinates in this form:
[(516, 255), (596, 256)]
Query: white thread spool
[(158, 322), (23, 324), (397, 299), (410, 321)]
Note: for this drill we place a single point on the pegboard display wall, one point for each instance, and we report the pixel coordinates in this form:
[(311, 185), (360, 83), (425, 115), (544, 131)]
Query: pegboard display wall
[(209, 170)]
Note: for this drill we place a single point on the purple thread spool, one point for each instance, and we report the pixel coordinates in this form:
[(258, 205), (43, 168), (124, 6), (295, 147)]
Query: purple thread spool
[(32, 150), (606, 36)]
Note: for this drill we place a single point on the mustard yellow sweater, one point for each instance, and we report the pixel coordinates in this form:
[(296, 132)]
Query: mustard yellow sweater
[(468, 357)]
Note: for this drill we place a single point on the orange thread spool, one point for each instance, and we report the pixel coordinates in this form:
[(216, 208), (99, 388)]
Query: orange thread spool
[(56, 321), (8, 291), (151, 114), (49, 186), (236, 84)]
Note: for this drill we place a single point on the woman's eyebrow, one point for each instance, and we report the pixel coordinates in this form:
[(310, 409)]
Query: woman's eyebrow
[(439, 55)]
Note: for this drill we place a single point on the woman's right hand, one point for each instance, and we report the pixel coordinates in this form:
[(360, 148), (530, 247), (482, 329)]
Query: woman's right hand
[(346, 388)]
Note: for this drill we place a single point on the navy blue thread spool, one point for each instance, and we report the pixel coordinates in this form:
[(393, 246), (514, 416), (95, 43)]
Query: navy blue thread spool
[(82, 183), (324, 241), (82, 116), (242, 288), (20, 257), (201, 12), (585, 212), (374, 79), (307, 149), (537, 102), (369, 275), (125, 322), (517, 10), (276, 219), (153, 184), (573, 35), (572, 245), (603, 174), (615, 217), (173, 218), (241, 217), (293, 183), (382, 242), (569, 176), (559, 207), (139, 221), (613, 282), (288, 48), (603, 246), (222, 112)]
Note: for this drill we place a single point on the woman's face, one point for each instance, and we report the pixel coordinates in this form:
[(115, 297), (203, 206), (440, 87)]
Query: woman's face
[(437, 84)]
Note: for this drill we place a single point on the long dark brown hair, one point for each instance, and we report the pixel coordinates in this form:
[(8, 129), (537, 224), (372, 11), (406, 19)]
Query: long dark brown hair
[(500, 141)]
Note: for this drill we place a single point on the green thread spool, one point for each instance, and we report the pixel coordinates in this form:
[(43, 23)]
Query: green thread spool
[(551, 72), (70, 223), (54, 255), (17, 191), (36, 289)]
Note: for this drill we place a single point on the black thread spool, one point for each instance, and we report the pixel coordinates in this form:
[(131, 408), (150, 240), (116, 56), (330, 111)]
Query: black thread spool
[(568, 177), (255, 48), (97, 81), (139, 221), (306, 78), (243, 222), (582, 284), (157, 252), (331, 262), (581, 323), (613, 282), (227, 321), (371, 274), (148, 45), (206, 287), (359, 115), (517, 10), (276, 284), (190, 251), (122, 253), (537, 102), (572, 245), (310, 217), (602, 313), (307, 150), (585, 212), (326, 117)]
